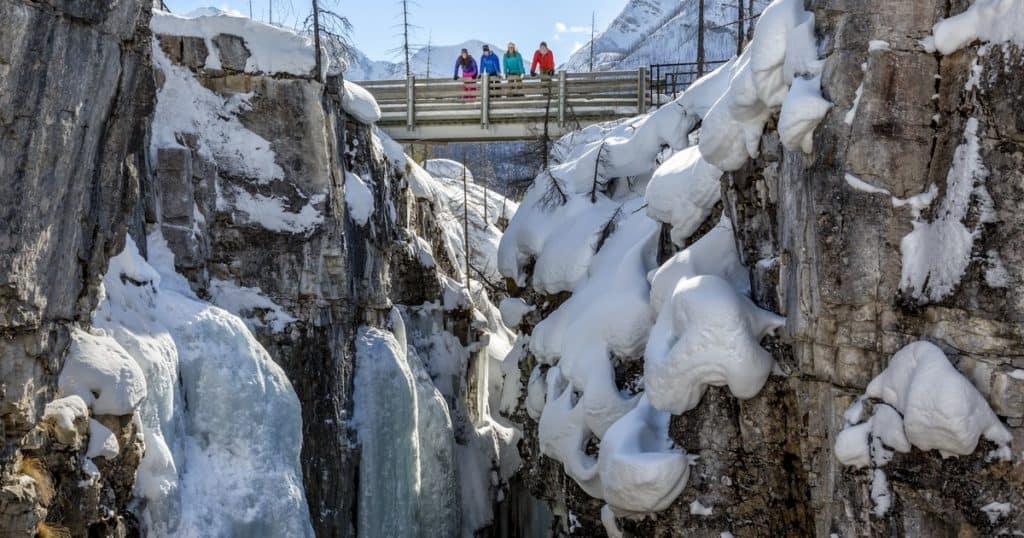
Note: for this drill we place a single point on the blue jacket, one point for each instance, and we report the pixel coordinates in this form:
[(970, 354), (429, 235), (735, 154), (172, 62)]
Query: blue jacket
[(514, 64), (466, 71), (490, 64)]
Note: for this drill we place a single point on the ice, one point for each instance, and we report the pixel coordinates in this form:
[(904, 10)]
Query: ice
[(941, 409), (358, 198), (228, 462), (360, 103), (996, 511), (408, 452), (102, 374), (269, 212), (62, 414), (683, 191), (250, 304), (102, 442), (708, 334), (936, 254), (802, 111), (987, 20), (273, 49), (183, 105)]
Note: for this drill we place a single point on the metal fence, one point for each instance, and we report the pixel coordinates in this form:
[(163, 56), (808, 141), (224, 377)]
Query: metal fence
[(668, 81)]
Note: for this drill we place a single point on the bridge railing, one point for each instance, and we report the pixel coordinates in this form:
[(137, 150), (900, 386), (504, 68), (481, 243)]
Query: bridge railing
[(668, 81), (564, 98)]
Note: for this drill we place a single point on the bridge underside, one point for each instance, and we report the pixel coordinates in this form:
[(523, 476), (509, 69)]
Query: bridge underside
[(475, 132)]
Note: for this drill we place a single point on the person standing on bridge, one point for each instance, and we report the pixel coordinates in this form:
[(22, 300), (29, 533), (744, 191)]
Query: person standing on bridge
[(467, 65), (490, 65), (514, 70), (545, 59)]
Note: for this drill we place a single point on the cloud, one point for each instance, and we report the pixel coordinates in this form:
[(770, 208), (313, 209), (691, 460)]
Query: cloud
[(576, 46), (562, 28)]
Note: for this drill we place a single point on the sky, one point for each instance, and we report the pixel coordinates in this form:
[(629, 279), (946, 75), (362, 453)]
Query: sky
[(564, 24)]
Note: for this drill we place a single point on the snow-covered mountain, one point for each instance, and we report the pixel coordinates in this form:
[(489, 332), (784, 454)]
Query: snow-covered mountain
[(435, 62), (663, 31)]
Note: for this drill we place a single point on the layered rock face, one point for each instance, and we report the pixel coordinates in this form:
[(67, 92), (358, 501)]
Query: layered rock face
[(75, 96), (836, 260), (900, 225)]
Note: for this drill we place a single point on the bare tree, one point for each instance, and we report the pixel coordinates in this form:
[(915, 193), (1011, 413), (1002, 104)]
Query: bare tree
[(700, 38), (331, 32), (739, 27), (593, 24)]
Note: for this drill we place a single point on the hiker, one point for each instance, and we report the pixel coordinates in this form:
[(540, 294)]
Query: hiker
[(514, 70), (546, 59), (467, 65), (490, 65)]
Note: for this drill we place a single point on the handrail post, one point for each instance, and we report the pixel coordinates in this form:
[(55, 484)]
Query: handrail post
[(561, 97), (410, 103), (485, 109), (641, 94)]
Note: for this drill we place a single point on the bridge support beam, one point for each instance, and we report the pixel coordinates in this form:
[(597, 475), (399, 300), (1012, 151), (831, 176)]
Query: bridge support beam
[(561, 98), (410, 103), (485, 108), (641, 91)]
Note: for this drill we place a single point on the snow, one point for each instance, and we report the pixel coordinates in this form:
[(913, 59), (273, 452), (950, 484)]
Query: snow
[(228, 462), (62, 414), (880, 493), (996, 511), (941, 409), (360, 103), (250, 304), (1017, 374), (698, 509), (863, 186), (760, 80), (99, 371), (102, 442), (358, 198), (184, 106), (273, 49), (852, 113), (447, 168), (802, 111), (513, 309), (708, 334), (877, 44), (936, 254), (682, 192), (987, 20), (269, 212)]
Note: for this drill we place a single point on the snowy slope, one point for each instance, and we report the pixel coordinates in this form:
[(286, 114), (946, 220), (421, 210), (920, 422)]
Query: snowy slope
[(662, 31)]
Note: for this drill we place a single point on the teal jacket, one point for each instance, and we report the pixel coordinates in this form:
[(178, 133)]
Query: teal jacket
[(513, 64)]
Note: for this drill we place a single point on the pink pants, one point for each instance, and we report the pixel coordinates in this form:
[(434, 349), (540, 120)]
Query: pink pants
[(468, 87)]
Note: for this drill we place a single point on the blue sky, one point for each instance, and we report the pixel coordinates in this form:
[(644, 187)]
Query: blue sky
[(564, 24)]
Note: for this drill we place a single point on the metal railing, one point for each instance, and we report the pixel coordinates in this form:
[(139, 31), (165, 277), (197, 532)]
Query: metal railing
[(565, 97), (668, 81)]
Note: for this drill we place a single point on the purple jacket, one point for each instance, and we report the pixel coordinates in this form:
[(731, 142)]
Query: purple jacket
[(466, 71)]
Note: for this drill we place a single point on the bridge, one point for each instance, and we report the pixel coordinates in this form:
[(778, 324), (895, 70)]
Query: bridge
[(492, 109)]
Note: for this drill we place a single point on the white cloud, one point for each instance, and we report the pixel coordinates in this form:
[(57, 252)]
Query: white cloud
[(576, 46)]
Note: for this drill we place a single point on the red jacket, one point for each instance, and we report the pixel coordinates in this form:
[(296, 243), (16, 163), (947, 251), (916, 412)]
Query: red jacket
[(546, 61)]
